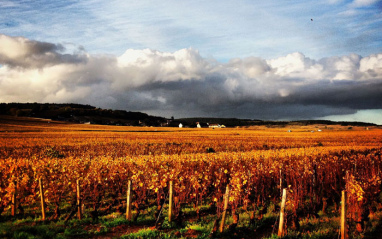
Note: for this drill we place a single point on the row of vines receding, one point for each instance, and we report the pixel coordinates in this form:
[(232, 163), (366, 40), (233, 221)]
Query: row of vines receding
[(314, 179)]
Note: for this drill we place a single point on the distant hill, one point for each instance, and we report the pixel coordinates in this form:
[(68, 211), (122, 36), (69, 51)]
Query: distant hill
[(78, 113)]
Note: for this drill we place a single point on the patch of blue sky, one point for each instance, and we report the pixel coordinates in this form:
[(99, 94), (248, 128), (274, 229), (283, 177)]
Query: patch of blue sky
[(219, 29), (368, 116)]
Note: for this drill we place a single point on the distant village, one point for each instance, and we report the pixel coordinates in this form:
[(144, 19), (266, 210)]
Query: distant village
[(202, 125)]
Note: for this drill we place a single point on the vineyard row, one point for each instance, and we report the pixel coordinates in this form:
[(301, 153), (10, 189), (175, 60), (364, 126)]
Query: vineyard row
[(314, 178)]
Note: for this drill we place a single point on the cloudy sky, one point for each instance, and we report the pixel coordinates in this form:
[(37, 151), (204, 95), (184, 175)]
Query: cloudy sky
[(276, 60)]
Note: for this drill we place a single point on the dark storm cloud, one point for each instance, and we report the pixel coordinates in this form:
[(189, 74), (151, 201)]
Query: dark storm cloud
[(185, 84), (25, 53), (350, 94)]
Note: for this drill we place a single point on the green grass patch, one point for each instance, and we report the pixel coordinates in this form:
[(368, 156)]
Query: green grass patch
[(148, 233)]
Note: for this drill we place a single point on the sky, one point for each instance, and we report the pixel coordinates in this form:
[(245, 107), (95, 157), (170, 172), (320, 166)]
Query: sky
[(269, 60)]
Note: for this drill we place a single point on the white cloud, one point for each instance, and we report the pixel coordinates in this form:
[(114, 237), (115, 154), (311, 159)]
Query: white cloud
[(22, 52), (184, 81), (371, 66), (293, 65), (250, 67), (141, 67)]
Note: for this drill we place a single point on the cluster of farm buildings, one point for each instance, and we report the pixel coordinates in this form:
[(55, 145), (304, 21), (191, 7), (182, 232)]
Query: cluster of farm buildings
[(204, 125)]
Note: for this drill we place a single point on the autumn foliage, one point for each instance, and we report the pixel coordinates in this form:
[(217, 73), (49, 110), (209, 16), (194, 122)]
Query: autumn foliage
[(256, 164)]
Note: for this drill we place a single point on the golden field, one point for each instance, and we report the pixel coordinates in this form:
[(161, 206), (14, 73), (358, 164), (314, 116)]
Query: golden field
[(315, 163)]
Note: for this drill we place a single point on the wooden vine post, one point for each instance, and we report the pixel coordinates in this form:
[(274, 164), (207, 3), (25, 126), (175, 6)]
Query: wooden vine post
[(282, 209), (42, 199), (14, 200), (128, 202), (281, 183), (226, 200), (79, 212), (170, 201), (344, 234)]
